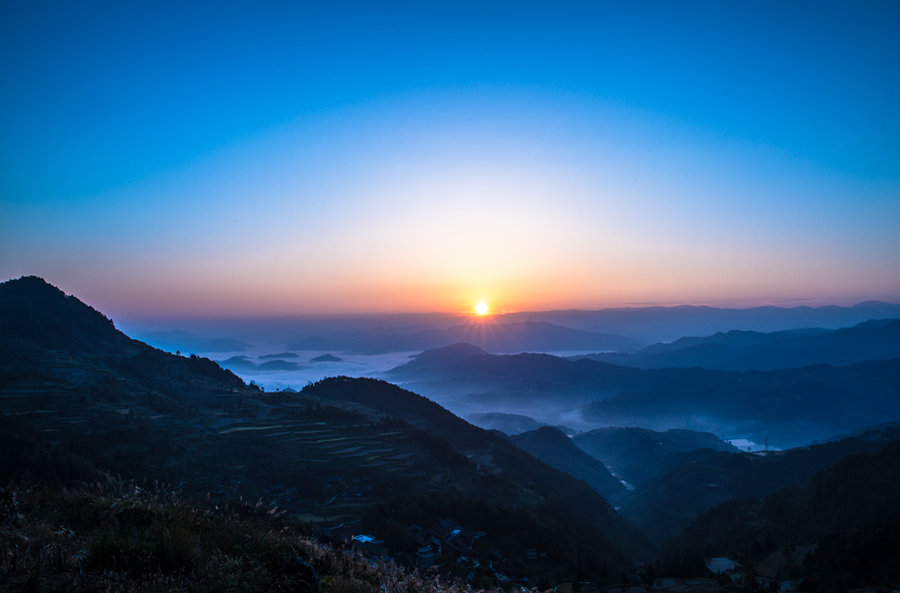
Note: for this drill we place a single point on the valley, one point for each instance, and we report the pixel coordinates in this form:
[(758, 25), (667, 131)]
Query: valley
[(367, 465)]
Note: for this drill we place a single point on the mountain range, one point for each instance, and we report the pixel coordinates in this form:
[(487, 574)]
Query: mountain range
[(626, 329), (789, 407), (664, 324), (747, 350)]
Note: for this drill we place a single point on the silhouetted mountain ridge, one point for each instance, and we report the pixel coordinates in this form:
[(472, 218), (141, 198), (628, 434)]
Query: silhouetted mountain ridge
[(511, 424), (34, 311), (368, 334), (787, 406), (747, 350), (657, 323), (471, 363), (45, 333)]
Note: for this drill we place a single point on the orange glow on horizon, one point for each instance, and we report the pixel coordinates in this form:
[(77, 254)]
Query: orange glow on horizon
[(244, 291)]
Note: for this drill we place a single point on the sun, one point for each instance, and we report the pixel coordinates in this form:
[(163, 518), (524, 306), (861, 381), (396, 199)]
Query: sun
[(481, 308)]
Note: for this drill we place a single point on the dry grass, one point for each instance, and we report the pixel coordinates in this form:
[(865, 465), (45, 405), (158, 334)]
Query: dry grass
[(145, 539)]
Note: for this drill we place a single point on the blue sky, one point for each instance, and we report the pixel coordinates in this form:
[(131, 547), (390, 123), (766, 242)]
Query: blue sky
[(226, 158)]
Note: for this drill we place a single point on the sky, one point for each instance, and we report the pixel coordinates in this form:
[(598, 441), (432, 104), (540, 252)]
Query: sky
[(257, 159)]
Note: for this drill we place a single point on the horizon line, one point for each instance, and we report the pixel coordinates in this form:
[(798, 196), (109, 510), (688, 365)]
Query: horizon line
[(498, 314)]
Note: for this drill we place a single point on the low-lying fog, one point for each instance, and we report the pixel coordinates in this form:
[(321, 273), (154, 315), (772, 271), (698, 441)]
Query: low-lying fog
[(520, 395), (276, 368), (308, 370)]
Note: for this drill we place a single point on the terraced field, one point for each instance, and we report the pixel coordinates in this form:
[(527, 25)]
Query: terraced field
[(325, 472), (331, 472)]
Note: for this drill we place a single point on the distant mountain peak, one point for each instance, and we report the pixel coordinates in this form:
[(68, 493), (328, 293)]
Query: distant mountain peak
[(33, 287), (871, 303), (445, 355), (453, 351), (551, 433)]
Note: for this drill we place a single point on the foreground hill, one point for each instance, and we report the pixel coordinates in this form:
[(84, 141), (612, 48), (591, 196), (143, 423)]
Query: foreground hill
[(747, 350), (845, 519), (80, 400), (860, 487), (145, 538), (788, 407), (701, 480), (517, 480)]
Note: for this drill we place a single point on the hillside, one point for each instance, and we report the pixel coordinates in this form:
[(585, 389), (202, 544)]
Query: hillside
[(144, 538), (847, 511), (639, 455), (59, 356), (556, 449), (703, 479), (549, 494)]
